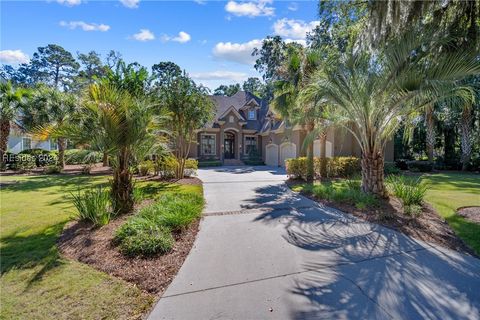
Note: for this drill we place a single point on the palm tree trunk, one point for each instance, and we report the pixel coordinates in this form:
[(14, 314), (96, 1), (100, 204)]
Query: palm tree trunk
[(466, 126), (4, 132), (122, 186), (105, 159), (430, 134), (372, 173), (310, 170), (62, 145), (323, 154)]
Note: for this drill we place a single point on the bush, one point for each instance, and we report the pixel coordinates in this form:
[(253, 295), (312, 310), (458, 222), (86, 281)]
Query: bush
[(146, 167), (10, 160), (402, 164), (409, 190), (420, 166), (93, 205), (42, 157), (336, 167), (82, 156), (52, 169), (24, 162), (149, 232), (191, 167), (166, 166), (143, 237), (209, 163), (391, 168)]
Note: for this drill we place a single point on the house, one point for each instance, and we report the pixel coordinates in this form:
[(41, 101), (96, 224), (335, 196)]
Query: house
[(19, 140), (244, 126)]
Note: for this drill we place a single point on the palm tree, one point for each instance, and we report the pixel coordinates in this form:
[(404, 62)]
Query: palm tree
[(294, 74), (372, 93), (10, 101), (49, 107), (113, 118)]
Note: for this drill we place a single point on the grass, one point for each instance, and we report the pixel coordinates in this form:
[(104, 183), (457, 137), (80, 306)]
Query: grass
[(150, 231), (449, 191), (36, 283)]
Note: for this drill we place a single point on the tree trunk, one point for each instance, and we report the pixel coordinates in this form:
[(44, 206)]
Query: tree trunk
[(430, 134), (372, 173), (323, 154), (450, 136), (4, 133), (105, 159), (62, 145), (310, 170), (122, 186), (466, 127)]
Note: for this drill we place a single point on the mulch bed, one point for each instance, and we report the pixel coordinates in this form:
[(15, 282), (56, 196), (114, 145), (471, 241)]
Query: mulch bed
[(94, 246), (428, 226), (470, 213)]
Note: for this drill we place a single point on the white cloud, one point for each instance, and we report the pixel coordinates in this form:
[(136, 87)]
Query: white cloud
[(202, 2), (220, 75), (295, 29), (182, 37), (299, 41), (250, 9), (293, 6), (237, 52), (144, 35), (132, 4), (70, 3), (13, 57), (85, 26)]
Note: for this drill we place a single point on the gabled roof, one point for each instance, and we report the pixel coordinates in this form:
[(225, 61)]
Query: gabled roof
[(232, 108)]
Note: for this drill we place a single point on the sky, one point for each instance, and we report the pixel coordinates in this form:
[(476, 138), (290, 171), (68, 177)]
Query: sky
[(211, 40)]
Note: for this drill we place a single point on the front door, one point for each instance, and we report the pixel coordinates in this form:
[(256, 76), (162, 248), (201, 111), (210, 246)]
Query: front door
[(229, 146)]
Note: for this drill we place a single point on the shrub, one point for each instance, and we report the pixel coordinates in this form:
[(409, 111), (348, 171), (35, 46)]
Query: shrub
[(409, 190), (82, 156), (146, 167), (191, 167), (10, 160), (402, 164), (52, 169), (336, 167), (93, 205), (42, 157), (149, 231), (256, 162), (166, 166), (391, 168), (420, 166), (24, 162), (209, 163), (142, 236)]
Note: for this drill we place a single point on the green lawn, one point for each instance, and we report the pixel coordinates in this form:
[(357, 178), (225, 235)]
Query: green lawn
[(449, 191), (36, 283)]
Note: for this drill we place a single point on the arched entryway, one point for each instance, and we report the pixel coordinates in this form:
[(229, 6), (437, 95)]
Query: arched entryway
[(229, 145)]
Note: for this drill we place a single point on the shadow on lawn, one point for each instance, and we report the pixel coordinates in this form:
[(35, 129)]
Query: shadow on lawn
[(379, 273), (66, 183), (22, 252)]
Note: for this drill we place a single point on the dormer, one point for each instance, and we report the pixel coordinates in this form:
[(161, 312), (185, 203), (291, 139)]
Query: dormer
[(250, 109)]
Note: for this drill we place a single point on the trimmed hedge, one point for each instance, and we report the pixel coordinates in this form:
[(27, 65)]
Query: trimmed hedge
[(336, 167), (250, 162), (42, 157), (420, 166), (209, 163)]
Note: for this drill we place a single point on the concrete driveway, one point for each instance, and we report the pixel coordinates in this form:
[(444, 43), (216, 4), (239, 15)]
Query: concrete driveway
[(264, 252)]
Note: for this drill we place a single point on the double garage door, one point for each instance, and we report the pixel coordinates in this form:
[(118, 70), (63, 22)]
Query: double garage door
[(276, 155)]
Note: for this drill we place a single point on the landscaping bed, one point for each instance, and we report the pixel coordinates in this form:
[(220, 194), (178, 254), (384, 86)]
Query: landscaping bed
[(470, 213), (149, 271), (81, 242), (427, 226)]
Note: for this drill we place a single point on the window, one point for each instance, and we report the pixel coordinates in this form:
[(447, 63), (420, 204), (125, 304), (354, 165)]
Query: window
[(26, 143), (251, 114), (207, 144), (231, 119), (250, 145), (53, 145)]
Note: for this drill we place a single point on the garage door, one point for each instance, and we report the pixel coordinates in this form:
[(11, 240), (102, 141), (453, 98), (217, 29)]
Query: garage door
[(316, 149), (288, 150), (271, 155)]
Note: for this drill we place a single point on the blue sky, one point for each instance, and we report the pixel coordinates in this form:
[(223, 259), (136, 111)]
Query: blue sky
[(212, 40)]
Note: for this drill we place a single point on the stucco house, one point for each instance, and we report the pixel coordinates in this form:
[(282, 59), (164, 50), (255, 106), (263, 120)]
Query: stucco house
[(244, 124), (20, 140)]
